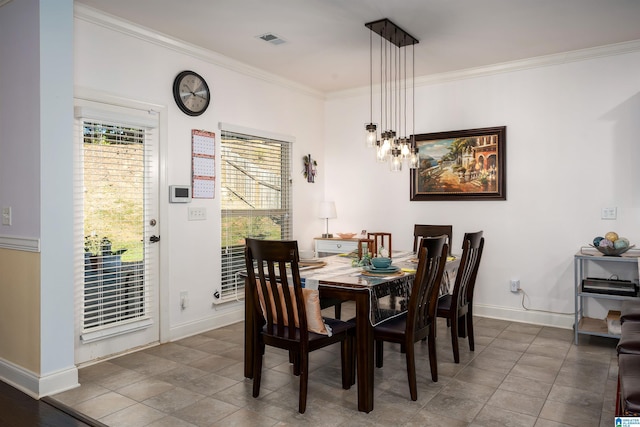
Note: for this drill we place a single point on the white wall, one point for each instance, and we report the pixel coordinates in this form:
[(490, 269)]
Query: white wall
[(572, 148), (571, 130), (139, 68)]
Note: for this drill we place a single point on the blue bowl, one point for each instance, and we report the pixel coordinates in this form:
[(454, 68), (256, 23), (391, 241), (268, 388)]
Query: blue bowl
[(381, 262)]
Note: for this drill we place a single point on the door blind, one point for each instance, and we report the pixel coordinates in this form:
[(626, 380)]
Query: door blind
[(114, 177), (255, 200)]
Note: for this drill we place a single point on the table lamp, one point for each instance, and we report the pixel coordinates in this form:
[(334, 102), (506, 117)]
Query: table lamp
[(327, 210)]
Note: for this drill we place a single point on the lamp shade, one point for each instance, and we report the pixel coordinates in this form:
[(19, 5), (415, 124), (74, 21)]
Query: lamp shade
[(327, 210)]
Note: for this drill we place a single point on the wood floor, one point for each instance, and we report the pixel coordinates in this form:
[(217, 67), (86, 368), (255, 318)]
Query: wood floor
[(20, 410)]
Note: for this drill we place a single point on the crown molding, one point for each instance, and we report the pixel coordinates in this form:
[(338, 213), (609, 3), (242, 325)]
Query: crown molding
[(510, 66), (114, 23), (535, 62), (93, 16)]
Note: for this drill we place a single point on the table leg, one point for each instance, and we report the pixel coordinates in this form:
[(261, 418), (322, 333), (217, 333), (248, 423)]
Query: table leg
[(364, 341), (364, 352)]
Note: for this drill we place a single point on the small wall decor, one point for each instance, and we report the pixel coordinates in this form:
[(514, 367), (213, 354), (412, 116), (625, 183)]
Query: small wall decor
[(461, 165), (310, 168)]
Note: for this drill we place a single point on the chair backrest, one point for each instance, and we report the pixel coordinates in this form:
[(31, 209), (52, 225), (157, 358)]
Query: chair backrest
[(365, 247), (380, 239), (473, 244), (272, 269), (421, 230), (432, 258)]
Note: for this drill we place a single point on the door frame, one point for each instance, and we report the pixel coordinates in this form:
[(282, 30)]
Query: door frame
[(86, 94)]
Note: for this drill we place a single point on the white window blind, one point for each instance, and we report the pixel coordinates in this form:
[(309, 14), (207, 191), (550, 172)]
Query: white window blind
[(255, 200), (111, 192)]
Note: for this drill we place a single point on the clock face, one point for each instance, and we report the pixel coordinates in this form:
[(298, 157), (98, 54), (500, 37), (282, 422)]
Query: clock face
[(191, 93)]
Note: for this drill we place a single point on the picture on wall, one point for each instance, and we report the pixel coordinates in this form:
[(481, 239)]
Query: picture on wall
[(461, 165)]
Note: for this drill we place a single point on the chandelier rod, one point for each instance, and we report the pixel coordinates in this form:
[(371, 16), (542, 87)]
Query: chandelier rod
[(371, 75)]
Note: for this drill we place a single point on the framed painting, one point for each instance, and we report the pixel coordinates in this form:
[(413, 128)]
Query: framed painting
[(461, 165)]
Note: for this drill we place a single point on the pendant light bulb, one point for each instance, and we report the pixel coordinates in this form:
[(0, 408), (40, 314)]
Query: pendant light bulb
[(414, 159), (380, 153), (371, 135), (404, 148), (396, 160)]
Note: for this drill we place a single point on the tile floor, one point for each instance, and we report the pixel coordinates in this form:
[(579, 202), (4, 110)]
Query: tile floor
[(519, 375)]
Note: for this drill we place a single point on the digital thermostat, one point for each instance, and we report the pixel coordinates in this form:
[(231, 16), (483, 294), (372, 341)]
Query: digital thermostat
[(179, 193)]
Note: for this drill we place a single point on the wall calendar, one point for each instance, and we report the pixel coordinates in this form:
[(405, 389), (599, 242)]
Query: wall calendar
[(203, 164)]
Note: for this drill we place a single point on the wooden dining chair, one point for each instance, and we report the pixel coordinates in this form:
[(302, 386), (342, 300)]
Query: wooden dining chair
[(365, 246), (380, 239), (422, 230), (457, 307), (419, 323), (289, 315)]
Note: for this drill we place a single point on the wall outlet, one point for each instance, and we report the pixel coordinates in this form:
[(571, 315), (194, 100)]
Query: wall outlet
[(515, 286), (6, 216), (184, 300)]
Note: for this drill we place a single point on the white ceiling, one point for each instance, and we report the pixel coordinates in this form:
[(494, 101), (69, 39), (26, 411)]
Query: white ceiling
[(327, 44)]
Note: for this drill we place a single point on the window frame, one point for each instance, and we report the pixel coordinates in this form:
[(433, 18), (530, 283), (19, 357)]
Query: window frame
[(232, 255)]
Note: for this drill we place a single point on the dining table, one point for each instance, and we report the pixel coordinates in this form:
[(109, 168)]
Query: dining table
[(377, 296)]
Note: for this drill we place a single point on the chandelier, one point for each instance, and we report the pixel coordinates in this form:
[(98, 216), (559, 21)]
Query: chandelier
[(393, 144)]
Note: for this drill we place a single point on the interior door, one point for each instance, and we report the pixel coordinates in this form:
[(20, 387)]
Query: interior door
[(117, 280)]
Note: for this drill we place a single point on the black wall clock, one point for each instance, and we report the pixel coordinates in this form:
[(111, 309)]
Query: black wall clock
[(191, 93)]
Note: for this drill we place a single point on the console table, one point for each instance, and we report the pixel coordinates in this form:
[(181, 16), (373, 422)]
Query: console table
[(334, 245)]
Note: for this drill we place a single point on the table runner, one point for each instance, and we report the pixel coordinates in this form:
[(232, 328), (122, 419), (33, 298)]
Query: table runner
[(389, 294)]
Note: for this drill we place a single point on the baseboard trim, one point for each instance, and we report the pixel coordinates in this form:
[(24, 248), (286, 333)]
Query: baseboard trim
[(58, 382), (232, 314), (557, 320), (35, 386), (235, 313)]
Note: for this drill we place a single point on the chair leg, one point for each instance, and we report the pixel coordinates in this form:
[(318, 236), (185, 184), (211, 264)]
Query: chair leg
[(470, 329), (346, 361), (411, 371), (433, 360), (296, 362), (257, 369), (379, 353), (353, 357), (304, 378), (338, 310), (454, 339), (462, 326)]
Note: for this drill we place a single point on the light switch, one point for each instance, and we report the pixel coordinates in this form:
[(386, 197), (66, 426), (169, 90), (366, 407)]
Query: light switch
[(6, 216), (609, 213), (197, 214)]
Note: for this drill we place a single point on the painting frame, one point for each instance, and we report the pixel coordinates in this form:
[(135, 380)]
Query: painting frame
[(461, 165)]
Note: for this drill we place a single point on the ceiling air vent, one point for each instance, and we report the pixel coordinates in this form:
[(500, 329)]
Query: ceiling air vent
[(271, 38)]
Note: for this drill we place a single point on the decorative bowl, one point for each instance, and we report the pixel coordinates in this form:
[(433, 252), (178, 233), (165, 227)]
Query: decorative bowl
[(346, 235), (381, 262), (607, 251)]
